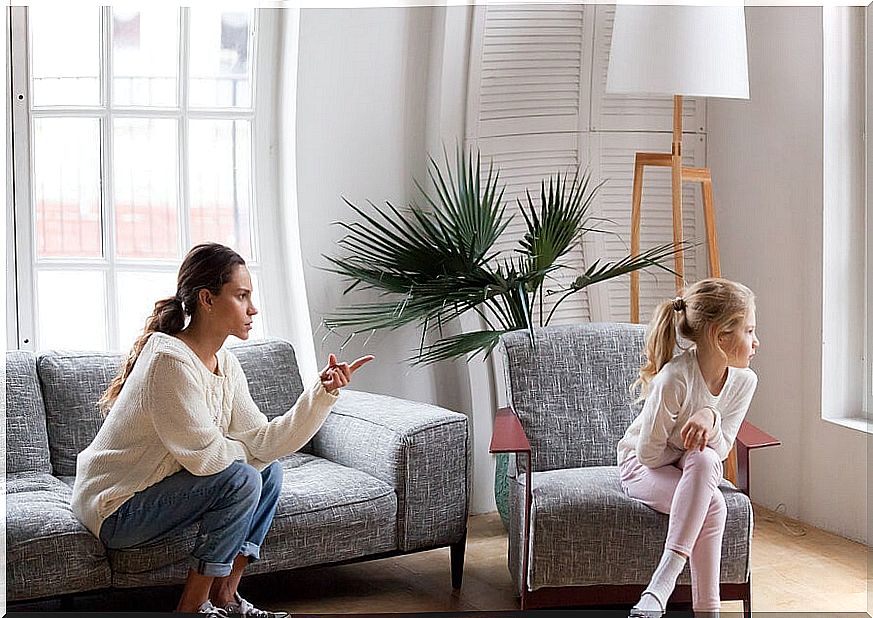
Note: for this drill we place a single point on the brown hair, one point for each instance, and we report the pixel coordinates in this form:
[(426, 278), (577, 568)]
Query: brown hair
[(207, 266), (719, 302)]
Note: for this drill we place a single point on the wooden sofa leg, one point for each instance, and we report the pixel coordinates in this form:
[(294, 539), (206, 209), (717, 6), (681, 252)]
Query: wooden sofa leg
[(457, 550), (747, 600)]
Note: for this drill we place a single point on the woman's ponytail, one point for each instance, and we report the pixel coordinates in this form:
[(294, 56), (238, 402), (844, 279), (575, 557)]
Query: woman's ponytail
[(660, 345), (167, 317)]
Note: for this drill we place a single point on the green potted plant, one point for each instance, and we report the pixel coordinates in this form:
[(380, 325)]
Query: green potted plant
[(435, 262)]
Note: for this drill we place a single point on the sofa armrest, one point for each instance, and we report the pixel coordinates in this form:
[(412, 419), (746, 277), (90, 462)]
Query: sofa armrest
[(420, 450), (749, 437)]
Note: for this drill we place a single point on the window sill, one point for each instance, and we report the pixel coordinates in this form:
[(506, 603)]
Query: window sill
[(858, 423)]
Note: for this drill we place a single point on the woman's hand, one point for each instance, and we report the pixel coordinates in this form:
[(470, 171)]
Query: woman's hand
[(697, 431), (336, 375)]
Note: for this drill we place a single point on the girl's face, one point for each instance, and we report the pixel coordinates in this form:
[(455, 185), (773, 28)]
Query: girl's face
[(740, 345), (232, 310)]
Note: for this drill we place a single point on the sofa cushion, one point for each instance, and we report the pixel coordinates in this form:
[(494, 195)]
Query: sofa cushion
[(587, 531), (48, 551), (26, 438), (326, 513), (570, 390), (271, 370), (72, 383)]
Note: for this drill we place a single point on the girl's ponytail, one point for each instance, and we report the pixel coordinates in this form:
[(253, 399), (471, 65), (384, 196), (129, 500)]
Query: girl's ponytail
[(660, 344), (167, 317)]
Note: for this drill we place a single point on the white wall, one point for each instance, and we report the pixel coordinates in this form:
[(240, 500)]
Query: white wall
[(766, 160), (361, 133)]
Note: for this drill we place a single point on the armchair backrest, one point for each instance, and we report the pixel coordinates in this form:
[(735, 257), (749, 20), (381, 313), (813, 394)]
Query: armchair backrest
[(569, 386)]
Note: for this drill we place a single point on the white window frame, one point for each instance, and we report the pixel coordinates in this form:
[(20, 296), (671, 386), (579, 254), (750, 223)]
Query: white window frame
[(868, 212), (22, 312)]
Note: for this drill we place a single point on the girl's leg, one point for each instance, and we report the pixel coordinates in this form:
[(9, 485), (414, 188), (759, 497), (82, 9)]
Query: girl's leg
[(706, 558), (685, 494), (224, 589)]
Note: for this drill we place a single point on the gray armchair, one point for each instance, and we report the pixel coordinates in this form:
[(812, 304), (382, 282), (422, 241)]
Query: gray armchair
[(575, 538)]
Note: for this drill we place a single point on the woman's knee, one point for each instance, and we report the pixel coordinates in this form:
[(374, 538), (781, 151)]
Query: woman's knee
[(243, 479), (271, 477), (718, 507)]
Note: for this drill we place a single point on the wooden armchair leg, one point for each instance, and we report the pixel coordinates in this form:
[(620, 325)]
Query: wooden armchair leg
[(457, 550)]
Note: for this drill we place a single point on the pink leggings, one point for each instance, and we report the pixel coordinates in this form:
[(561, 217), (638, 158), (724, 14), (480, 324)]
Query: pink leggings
[(687, 492)]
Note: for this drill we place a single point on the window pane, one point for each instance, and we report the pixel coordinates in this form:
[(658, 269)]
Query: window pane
[(220, 182), (66, 186), (144, 176), (65, 54), (137, 294), (257, 331), (144, 56), (220, 70), (72, 310)]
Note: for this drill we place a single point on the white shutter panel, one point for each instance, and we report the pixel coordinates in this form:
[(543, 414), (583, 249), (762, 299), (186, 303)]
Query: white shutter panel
[(627, 112), (524, 161), (612, 156), (526, 69)]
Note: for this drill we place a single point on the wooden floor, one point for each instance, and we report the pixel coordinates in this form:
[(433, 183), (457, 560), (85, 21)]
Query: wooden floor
[(794, 568)]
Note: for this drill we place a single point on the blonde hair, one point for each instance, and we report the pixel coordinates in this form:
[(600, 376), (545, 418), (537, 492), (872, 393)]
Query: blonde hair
[(714, 302), (207, 266)]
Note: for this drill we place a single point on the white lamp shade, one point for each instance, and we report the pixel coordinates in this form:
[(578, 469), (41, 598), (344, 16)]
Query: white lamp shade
[(687, 50)]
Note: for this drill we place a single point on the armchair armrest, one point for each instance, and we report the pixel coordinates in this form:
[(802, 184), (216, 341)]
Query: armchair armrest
[(508, 435), (420, 450), (750, 437)]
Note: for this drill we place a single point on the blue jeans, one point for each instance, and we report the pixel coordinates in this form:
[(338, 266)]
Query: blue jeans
[(235, 508)]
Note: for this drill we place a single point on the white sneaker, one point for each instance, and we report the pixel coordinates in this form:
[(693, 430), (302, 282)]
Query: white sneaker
[(241, 607), (211, 611)]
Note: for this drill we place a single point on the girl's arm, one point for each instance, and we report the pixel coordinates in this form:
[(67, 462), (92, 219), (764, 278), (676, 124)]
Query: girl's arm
[(728, 420), (659, 416), (182, 420)]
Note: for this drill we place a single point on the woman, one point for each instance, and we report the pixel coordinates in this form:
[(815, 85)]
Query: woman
[(183, 441)]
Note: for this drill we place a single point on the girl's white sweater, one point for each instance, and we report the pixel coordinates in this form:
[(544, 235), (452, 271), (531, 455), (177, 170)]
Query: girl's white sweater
[(173, 413), (676, 392)]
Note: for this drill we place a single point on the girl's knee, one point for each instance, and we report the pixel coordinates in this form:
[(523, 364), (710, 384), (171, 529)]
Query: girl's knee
[(707, 459), (718, 506)]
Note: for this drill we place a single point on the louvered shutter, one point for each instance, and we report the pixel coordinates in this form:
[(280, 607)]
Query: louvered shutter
[(612, 156), (528, 112)]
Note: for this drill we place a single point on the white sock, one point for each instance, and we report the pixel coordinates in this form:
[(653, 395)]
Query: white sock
[(663, 581)]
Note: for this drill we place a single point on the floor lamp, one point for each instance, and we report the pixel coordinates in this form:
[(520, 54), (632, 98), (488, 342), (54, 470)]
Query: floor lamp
[(678, 50)]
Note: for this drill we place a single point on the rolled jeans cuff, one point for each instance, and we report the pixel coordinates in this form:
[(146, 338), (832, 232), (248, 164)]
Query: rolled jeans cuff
[(252, 551), (211, 569)]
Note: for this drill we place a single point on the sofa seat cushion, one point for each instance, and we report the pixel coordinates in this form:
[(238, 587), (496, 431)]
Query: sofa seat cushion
[(587, 531), (326, 513), (48, 551)]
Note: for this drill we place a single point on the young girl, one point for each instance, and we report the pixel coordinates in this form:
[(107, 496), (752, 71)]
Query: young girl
[(183, 441), (671, 456)]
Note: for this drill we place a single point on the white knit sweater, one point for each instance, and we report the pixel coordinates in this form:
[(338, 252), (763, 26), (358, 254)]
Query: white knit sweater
[(676, 392), (174, 413)]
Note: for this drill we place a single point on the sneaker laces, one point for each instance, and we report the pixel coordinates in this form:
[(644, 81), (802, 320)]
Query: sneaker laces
[(241, 607)]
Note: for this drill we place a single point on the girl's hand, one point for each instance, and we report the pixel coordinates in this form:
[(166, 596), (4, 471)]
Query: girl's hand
[(697, 431), (336, 375)]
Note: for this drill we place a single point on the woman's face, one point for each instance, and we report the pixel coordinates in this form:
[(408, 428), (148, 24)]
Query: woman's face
[(740, 345), (232, 311)]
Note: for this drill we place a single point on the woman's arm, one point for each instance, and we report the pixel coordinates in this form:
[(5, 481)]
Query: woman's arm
[(183, 422), (269, 440)]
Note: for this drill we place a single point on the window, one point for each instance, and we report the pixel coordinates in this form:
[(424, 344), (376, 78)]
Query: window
[(133, 139)]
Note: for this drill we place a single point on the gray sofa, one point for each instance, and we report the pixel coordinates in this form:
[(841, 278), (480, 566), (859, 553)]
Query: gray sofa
[(382, 477)]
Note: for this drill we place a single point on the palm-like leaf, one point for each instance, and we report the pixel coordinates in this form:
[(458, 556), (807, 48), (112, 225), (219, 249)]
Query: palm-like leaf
[(432, 264)]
